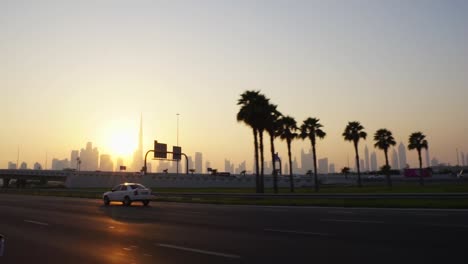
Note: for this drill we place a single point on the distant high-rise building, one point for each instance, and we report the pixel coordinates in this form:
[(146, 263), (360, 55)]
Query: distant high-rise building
[(60, 164), (286, 168), (307, 161), (241, 168), (227, 165), (23, 166), (366, 158), (331, 168), (198, 162), (361, 165), (373, 161), (106, 163), (323, 166), (75, 154), (463, 158), (402, 156), (427, 158), (11, 165), (37, 166), (138, 155), (394, 163), (190, 163), (295, 166), (434, 162), (89, 158)]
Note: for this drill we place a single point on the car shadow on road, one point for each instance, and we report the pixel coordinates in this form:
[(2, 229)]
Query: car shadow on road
[(135, 213)]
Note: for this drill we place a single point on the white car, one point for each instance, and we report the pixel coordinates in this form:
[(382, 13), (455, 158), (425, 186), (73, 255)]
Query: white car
[(128, 193)]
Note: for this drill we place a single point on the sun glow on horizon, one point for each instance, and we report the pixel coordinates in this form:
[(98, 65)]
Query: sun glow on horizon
[(120, 140)]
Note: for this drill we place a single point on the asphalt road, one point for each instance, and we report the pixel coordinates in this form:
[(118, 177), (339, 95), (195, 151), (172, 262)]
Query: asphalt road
[(69, 230)]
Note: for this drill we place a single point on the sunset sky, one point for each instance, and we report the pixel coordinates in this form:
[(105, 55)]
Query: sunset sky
[(79, 71)]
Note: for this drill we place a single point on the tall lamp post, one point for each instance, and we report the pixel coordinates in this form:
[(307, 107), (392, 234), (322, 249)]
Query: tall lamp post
[(177, 141)]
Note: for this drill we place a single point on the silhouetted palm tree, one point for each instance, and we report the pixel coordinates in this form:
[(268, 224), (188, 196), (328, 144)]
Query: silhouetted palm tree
[(287, 131), (345, 171), (353, 132), (418, 141), (312, 129), (272, 129), (383, 140), (252, 104)]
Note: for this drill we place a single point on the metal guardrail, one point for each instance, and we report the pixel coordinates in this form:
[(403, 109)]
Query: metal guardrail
[(316, 195), (258, 196)]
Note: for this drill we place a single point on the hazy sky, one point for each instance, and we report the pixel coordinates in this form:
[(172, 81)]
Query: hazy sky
[(79, 71)]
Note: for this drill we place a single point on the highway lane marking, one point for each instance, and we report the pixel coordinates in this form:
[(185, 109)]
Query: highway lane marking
[(297, 232), (36, 222), (200, 251), (353, 221)]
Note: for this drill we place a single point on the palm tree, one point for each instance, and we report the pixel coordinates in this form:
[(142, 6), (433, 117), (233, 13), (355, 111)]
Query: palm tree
[(312, 129), (251, 106), (287, 131), (353, 132), (418, 141), (345, 171), (383, 140), (272, 129)]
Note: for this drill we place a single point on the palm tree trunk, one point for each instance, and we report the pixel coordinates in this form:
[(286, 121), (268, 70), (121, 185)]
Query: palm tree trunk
[(421, 179), (275, 178), (256, 160), (262, 163), (316, 183), (290, 168), (357, 164), (387, 172)]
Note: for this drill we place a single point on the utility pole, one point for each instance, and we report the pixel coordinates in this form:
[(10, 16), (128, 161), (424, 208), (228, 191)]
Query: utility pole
[(177, 141)]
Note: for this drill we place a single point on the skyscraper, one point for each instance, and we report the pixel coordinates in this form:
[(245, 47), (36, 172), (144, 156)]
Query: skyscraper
[(373, 161), (394, 163), (74, 159), (323, 166), (89, 158), (307, 161), (331, 168), (198, 162), (427, 158), (463, 158), (402, 156), (37, 166), (138, 155), (366, 158), (106, 163)]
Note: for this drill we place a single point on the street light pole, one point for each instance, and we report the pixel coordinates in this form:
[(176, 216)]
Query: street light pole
[(177, 141)]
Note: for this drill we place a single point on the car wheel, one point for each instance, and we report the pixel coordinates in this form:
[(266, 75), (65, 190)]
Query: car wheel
[(106, 201), (146, 202), (127, 201)]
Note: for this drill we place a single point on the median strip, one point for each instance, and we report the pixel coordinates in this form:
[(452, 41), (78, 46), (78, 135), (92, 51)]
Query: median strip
[(200, 251)]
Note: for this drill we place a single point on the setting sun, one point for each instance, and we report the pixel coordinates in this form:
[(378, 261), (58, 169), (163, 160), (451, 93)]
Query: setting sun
[(120, 139)]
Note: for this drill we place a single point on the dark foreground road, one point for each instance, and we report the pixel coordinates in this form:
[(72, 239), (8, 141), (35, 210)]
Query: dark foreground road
[(67, 230)]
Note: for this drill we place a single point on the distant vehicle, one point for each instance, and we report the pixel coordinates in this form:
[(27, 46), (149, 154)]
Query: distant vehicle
[(128, 193)]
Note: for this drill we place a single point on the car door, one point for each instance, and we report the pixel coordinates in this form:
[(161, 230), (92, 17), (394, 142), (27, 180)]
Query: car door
[(113, 195), (122, 192)]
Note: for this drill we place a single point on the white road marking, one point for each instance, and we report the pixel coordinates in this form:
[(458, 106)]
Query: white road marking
[(426, 215), (36, 222), (127, 249), (147, 255), (297, 232), (353, 221), (200, 251)]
